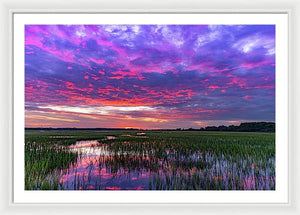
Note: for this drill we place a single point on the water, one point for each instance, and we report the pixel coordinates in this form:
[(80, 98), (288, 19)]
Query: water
[(99, 168), (93, 172)]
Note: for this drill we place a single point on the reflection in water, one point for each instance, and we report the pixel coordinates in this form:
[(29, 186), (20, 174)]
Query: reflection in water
[(110, 137), (98, 167), (90, 172), (85, 144)]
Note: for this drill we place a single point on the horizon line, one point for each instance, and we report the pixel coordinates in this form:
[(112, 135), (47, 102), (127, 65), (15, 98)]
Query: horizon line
[(134, 128)]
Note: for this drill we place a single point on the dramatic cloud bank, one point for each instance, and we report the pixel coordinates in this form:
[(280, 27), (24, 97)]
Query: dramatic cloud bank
[(148, 76)]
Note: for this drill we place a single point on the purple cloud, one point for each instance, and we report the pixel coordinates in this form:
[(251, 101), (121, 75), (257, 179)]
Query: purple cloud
[(186, 75)]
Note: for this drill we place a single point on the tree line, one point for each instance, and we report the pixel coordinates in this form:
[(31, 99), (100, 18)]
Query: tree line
[(243, 127)]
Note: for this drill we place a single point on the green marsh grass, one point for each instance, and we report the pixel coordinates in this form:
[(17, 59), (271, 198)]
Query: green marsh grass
[(171, 160)]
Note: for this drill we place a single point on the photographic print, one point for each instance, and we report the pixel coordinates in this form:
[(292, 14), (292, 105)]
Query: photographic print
[(149, 107)]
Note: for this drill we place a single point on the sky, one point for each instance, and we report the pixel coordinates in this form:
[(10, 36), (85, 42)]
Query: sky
[(148, 76)]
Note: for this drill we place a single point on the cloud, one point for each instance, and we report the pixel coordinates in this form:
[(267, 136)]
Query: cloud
[(181, 73)]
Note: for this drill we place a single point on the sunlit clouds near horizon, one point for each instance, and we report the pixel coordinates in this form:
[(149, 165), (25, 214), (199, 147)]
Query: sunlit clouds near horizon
[(148, 76)]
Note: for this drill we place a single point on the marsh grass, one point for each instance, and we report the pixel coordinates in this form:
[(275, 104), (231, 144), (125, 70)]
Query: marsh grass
[(165, 160)]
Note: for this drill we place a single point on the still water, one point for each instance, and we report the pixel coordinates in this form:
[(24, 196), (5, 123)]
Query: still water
[(93, 170), (98, 168)]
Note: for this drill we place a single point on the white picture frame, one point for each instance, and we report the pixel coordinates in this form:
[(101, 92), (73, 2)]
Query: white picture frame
[(11, 208), (279, 195)]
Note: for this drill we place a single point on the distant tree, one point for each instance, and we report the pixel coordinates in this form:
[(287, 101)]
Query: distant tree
[(211, 128), (244, 127), (222, 128)]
